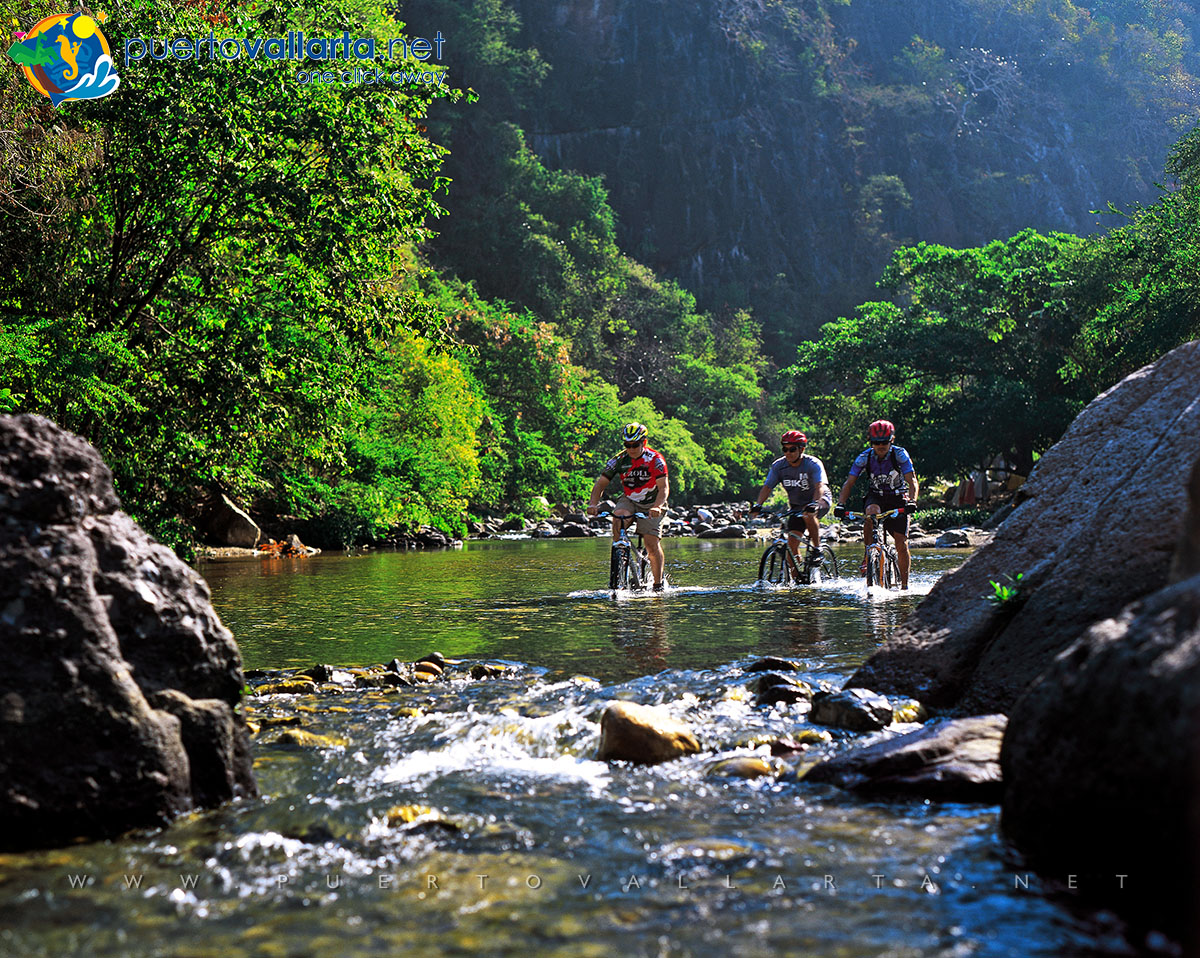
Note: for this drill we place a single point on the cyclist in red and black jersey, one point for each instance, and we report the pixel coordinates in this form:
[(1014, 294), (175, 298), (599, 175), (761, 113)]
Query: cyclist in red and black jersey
[(644, 488)]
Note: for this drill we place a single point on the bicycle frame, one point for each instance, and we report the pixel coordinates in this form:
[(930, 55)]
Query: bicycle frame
[(790, 568), (883, 565)]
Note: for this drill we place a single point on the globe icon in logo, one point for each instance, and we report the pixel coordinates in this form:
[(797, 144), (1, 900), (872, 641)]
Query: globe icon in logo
[(66, 57)]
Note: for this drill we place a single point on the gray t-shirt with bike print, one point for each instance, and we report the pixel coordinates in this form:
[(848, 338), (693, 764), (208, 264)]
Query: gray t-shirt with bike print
[(800, 481)]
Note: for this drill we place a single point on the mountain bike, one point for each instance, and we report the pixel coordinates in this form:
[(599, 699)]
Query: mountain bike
[(629, 567), (779, 566), (883, 565)]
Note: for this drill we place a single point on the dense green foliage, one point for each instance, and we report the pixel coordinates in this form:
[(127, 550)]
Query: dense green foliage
[(220, 283)]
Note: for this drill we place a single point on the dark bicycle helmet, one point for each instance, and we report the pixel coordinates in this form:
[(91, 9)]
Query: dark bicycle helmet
[(633, 432), (793, 437), (881, 430)]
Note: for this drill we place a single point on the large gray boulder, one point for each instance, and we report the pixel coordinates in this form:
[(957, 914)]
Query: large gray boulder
[(118, 682), (1096, 529), (1100, 761)]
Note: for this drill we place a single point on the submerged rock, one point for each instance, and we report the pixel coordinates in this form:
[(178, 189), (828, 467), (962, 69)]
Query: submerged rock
[(643, 734), (745, 766), (118, 683), (859, 710), (951, 760)]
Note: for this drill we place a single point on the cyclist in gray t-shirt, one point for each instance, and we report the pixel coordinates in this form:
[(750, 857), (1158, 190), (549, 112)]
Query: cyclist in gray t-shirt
[(807, 488)]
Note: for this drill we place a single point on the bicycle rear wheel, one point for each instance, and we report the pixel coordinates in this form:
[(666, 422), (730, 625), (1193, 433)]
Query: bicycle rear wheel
[(829, 566), (773, 566)]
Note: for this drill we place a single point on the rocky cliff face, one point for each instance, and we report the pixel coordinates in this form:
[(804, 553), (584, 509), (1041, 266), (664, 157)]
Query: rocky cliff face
[(775, 153)]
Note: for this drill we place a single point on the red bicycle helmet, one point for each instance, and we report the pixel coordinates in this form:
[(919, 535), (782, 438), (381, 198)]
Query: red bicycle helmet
[(793, 437), (881, 430)]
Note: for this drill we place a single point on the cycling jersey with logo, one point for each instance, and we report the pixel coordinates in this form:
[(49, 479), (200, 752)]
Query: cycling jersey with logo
[(886, 475), (800, 481), (638, 476)]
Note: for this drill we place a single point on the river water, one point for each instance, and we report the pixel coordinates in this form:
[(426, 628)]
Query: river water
[(469, 817)]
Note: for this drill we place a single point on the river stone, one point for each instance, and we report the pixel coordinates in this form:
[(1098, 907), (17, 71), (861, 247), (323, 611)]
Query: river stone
[(725, 532), (574, 530), (859, 710), (773, 687), (643, 734), (118, 682), (1123, 459), (1101, 760), (773, 663), (744, 766), (953, 539), (949, 760)]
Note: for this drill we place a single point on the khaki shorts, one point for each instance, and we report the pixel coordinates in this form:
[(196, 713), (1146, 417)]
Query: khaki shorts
[(651, 526)]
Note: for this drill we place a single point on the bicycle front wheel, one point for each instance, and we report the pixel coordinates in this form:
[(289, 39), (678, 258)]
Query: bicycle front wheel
[(875, 568), (618, 569), (773, 566), (892, 570)]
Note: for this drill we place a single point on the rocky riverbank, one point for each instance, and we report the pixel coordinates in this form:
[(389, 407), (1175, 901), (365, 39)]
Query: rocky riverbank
[(722, 520)]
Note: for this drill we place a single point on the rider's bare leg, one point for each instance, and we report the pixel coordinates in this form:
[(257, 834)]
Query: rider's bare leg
[(617, 524), (901, 543), (814, 529), (654, 552)]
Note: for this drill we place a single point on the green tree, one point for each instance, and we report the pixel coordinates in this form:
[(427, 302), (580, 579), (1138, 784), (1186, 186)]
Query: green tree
[(203, 312), (967, 358)]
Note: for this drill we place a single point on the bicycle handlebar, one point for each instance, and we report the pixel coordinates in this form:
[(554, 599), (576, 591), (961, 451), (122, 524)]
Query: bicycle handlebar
[(636, 515), (798, 511), (890, 514)]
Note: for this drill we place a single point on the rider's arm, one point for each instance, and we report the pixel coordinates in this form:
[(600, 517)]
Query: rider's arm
[(911, 480), (845, 493), (663, 487), (762, 495), (598, 488), (823, 493)]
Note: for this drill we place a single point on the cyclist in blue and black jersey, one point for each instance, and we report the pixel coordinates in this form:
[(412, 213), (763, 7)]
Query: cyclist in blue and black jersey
[(890, 475), (807, 488)]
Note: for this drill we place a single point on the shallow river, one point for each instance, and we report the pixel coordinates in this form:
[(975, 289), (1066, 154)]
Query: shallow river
[(530, 846)]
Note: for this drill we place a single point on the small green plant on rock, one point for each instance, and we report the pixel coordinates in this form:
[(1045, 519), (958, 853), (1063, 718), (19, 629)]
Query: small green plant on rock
[(1006, 595)]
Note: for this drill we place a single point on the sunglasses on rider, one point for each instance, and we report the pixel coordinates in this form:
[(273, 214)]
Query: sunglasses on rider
[(880, 442), (634, 445), (791, 448)]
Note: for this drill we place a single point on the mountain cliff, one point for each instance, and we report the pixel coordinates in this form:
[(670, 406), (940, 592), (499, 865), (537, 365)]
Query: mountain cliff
[(772, 153)]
